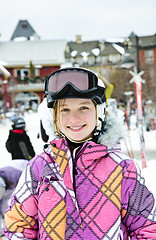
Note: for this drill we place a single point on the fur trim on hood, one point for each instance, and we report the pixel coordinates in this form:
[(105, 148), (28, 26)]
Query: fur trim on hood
[(113, 130)]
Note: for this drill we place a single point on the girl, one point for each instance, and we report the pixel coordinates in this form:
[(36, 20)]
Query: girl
[(81, 186)]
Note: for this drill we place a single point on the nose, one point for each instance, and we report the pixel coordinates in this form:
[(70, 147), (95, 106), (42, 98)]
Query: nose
[(74, 116)]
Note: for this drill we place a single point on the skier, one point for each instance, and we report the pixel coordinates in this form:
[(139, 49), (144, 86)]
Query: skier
[(18, 142), (81, 186)]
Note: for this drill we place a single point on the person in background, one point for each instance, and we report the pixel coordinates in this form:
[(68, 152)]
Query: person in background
[(81, 186), (18, 142), (45, 118), (9, 176)]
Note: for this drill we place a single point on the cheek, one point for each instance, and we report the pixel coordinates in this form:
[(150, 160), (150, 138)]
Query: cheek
[(92, 118), (58, 121), (93, 121), (61, 121)]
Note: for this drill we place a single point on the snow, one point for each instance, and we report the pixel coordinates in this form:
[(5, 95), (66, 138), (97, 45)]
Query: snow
[(132, 142)]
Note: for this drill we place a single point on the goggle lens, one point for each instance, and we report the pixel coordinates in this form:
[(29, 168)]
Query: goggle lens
[(79, 79)]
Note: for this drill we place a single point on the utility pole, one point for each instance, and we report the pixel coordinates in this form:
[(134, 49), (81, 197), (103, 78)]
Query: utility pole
[(138, 91), (137, 53)]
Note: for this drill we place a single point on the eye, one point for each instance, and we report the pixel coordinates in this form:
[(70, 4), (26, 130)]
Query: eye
[(83, 108), (64, 109)]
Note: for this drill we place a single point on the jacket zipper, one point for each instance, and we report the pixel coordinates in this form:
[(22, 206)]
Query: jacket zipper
[(74, 168), (75, 157)]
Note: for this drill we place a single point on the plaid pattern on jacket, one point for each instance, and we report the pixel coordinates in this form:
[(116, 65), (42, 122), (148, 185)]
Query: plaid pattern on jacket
[(105, 198)]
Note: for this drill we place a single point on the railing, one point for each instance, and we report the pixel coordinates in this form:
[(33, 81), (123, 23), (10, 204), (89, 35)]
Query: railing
[(30, 87)]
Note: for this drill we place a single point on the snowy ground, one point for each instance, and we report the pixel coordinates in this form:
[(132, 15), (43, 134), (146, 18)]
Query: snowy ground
[(132, 142)]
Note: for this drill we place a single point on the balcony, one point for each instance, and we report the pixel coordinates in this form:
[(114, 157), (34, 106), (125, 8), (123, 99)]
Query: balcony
[(30, 87)]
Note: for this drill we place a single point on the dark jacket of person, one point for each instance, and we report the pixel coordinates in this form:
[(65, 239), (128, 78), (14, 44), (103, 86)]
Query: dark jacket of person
[(19, 145)]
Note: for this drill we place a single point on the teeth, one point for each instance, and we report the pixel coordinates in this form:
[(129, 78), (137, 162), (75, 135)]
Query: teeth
[(74, 128)]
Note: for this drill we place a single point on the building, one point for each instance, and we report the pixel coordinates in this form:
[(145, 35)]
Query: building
[(142, 50), (28, 61), (95, 55)]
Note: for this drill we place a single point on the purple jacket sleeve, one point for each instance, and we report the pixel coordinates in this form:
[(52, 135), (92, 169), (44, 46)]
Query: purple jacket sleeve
[(138, 205), (21, 217)]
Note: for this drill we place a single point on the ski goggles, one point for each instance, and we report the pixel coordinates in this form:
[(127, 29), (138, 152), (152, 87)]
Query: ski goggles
[(73, 83), (80, 78)]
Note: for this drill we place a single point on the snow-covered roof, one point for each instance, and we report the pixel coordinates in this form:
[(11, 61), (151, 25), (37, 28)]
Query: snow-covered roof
[(110, 49), (43, 52), (77, 49)]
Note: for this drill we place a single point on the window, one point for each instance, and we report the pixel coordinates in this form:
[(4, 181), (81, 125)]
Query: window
[(24, 26), (114, 58), (104, 59), (22, 73), (79, 60), (149, 56), (91, 60)]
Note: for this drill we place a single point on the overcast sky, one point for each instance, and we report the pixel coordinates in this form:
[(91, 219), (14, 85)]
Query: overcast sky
[(93, 19)]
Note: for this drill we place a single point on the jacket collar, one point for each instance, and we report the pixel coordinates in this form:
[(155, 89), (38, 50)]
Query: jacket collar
[(91, 150)]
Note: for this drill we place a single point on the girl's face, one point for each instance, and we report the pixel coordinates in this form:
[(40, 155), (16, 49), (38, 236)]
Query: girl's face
[(76, 118)]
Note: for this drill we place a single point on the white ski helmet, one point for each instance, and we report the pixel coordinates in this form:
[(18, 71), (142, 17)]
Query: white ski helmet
[(77, 83)]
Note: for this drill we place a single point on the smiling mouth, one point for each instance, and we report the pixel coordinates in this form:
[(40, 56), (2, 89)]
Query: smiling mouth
[(76, 128)]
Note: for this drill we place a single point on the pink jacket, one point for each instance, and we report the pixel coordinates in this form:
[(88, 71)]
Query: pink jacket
[(105, 198)]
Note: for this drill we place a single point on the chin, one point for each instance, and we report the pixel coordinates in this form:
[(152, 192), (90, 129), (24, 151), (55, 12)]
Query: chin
[(79, 139), (76, 139)]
